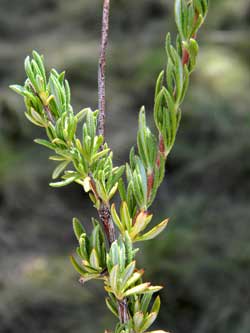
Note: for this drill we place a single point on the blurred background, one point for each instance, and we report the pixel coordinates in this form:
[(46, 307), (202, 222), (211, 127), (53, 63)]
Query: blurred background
[(203, 259)]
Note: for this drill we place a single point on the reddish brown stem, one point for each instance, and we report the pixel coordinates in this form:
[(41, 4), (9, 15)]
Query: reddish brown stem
[(108, 225), (150, 184), (185, 57), (104, 211), (123, 311), (102, 67), (48, 112), (104, 214), (161, 150)]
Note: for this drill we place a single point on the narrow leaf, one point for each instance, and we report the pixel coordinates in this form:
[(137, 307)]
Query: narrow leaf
[(140, 289), (153, 232), (64, 182), (59, 169), (78, 228)]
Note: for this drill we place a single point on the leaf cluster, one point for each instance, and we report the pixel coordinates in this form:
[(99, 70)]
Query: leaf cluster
[(87, 160)]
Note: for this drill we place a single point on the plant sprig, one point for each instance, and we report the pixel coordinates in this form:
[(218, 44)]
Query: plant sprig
[(88, 161)]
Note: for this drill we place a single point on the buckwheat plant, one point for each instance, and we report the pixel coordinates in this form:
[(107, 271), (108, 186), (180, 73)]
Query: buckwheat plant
[(108, 253)]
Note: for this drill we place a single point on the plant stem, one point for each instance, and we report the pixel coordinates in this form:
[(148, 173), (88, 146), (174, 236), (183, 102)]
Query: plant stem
[(108, 225), (101, 68), (123, 311), (104, 211)]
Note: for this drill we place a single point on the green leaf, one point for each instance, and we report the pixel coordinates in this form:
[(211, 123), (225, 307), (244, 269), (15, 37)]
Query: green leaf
[(127, 273), (117, 174), (78, 228), (18, 89), (153, 289), (39, 60), (84, 245), (141, 222), (68, 97), (178, 17), (45, 143), (32, 120), (146, 142), (111, 307), (153, 232), (94, 261), (159, 83), (64, 182), (87, 184), (57, 158), (140, 289), (100, 154), (125, 216), (59, 169), (134, 278), (116, 218), (138, 320), (146, 299), (114, 254), (82, 114), (77, 267), (37, 117), (148, 321), (122, 254), (113, 278), (185, 84), (157, 304), (128, 248), (193, 49), (29, 72)]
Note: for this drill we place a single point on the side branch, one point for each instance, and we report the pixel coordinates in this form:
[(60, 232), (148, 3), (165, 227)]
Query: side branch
[(101, 68), (45, 106)]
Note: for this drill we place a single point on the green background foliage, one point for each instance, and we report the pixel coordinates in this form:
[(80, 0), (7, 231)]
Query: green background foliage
[(203, 259)]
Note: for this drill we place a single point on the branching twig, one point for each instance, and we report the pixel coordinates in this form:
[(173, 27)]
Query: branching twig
[(102, 254)]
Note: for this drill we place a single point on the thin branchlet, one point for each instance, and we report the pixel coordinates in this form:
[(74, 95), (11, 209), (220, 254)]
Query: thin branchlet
[(102, 68), (104, 210)]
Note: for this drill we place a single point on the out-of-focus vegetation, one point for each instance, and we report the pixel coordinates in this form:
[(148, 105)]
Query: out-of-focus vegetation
[(204, 257)]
